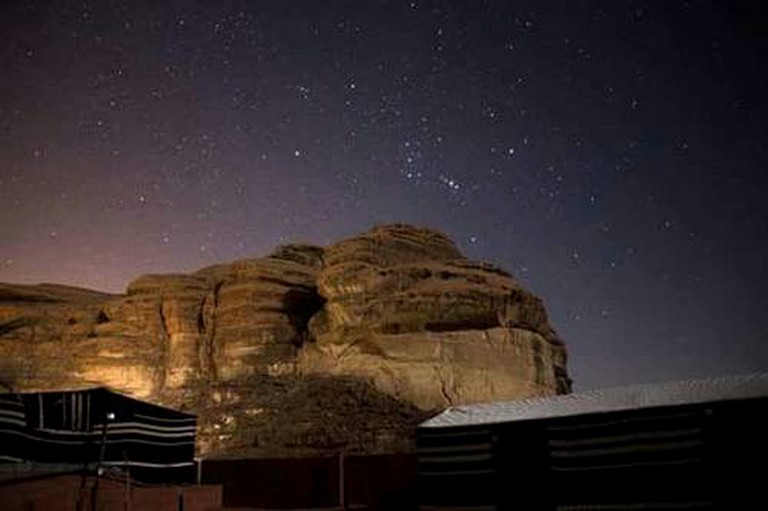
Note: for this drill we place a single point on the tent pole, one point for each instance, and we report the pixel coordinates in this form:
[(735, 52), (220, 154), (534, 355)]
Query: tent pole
[(342, 500)]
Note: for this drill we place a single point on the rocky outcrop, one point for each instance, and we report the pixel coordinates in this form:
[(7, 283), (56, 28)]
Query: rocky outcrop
[(405, 310), (306, 350)]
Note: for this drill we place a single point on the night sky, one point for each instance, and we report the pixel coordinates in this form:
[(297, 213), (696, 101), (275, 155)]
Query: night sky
[(611, 155)]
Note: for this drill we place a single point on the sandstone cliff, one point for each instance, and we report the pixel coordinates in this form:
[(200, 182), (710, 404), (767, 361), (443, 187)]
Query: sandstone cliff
[(309, 349)]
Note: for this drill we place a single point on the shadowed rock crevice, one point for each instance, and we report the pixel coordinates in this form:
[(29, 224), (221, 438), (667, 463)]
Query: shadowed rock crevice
[(206, 328), (300, 304), (16, 324), (469, 324), (102, 318)]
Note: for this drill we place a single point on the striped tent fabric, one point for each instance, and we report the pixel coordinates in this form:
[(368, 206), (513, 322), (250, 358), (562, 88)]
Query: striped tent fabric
[(13, 428), (655, 459), (658, 439), (677, 445), (97, 428), (452, 460)]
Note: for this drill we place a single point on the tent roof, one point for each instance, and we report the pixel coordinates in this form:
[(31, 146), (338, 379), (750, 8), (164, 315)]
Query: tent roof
[(725, 388), (111, 395)]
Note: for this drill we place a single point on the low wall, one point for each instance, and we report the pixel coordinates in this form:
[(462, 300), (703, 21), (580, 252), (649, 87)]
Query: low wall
[(71, 492), (370, 482)]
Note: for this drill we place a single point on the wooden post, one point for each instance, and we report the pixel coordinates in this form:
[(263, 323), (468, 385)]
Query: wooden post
[(102, 451), (128, 499), (342, 499)]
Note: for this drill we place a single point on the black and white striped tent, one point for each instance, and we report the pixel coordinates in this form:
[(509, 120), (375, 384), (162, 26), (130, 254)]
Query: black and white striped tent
[(682, 445), (97, 428)]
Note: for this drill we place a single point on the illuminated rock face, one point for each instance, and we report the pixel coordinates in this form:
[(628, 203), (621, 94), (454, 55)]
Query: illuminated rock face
[(307, 350), (405, 310)]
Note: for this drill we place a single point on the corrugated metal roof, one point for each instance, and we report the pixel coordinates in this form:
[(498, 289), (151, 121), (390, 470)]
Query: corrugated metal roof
[(608, 400)]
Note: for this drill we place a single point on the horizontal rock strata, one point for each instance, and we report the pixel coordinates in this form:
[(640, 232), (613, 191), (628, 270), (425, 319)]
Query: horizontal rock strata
[(310, 349)]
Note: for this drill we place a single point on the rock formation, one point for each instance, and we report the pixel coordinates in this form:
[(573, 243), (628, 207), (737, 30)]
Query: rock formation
[(307, 350)]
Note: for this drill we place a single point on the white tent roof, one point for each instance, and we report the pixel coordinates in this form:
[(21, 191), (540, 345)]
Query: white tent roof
[(725, 388)]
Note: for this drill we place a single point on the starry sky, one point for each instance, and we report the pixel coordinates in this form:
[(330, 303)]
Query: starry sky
[(612, 155)]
